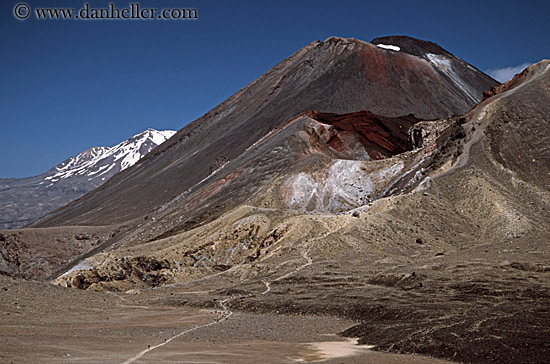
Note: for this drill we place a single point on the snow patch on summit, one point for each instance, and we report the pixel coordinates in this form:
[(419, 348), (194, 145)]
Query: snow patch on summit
[(389, 46)]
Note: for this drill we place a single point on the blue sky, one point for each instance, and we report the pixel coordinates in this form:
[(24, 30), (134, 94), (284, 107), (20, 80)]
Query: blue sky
[(69, 85)]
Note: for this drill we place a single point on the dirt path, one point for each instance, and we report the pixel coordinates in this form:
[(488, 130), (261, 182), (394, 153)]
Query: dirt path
[(226, 312), (166, 341), (463, 158)]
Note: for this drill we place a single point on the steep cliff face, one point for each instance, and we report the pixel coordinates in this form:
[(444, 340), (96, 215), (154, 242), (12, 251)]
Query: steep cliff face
[(335, 76)]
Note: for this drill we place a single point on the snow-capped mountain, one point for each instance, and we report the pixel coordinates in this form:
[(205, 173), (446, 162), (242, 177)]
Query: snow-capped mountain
[(23, 200), (100, 163)]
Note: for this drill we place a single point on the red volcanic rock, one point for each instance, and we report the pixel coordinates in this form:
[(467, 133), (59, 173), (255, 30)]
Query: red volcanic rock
[(381, 136)]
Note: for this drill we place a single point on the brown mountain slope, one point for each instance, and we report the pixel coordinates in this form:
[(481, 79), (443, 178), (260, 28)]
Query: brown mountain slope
[(440, 250), (337, 75), (456, 267)]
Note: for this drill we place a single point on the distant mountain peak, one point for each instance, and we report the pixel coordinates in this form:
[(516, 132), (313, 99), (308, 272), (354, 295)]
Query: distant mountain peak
[(30, 198), (104, 162)]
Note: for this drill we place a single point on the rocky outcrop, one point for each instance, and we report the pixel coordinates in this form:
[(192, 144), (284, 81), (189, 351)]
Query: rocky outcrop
[(39, 253), (498, 89)]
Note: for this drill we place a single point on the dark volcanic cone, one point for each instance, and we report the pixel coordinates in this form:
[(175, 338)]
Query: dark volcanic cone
[(334, 76), (441, 250)]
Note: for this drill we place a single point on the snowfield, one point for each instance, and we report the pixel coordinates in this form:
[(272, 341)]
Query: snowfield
[(98, 161), (389, 47)]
